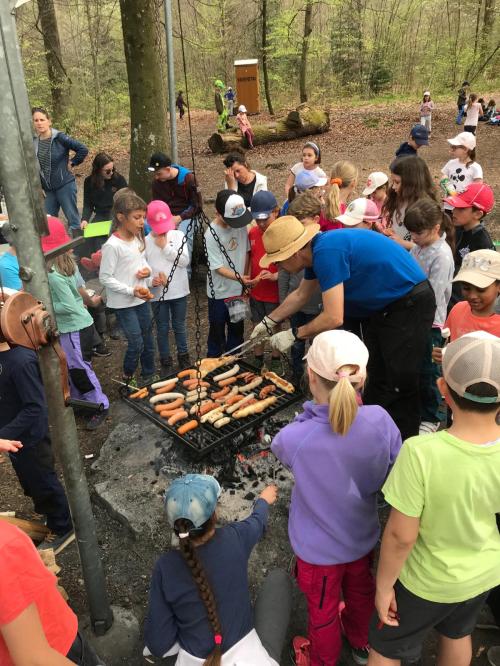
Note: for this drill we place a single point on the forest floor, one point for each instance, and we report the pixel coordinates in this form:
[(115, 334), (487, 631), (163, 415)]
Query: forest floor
[(367, 135)]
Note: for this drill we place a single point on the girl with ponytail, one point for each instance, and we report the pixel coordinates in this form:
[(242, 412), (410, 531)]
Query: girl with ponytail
[(199, 603), (343, 181), (340, 454), (433, 235)]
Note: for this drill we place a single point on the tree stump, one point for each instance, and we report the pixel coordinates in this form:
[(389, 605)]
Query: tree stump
[(305, 120)]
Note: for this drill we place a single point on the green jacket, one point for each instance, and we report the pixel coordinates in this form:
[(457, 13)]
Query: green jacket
[(71, 314)]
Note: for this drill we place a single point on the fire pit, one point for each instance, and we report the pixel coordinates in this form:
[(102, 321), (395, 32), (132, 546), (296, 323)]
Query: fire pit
[(206, 437)]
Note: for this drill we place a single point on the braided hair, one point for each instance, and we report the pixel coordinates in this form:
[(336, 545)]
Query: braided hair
[(183, 528)]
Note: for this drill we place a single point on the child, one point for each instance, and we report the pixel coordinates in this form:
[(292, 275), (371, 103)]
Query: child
[(474, 111), (180, 104), (479, 278), (306, 181), (441, 546), (36, 624), (229, 97), (411, 180), (426, 109), (264, 296), (306, 208), (311, 159), (343, 181), (376, 188), (461, 100), (24, 418), (469, 209), (199, 602), (361, 214), (340, 455), (223, 284), (491, 110), (220, 107), (433, 234), (75, 324), (126, 275), (463, 169), (244, 124), (162, 249), (419, 136)]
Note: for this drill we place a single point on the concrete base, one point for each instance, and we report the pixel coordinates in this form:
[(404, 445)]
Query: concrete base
[(120, 642)]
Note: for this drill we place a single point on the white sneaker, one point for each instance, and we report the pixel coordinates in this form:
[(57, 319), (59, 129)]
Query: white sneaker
[(427, 427)]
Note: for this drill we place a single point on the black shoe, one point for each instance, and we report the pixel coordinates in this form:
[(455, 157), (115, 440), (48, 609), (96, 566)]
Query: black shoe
[(167, 365), (96, 420), (57, 542), (101, 350), (184, 361)]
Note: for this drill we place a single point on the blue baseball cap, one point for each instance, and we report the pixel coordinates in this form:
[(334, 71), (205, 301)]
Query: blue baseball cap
[(262, 204), (192, 497), (420, 135), (305, 180)]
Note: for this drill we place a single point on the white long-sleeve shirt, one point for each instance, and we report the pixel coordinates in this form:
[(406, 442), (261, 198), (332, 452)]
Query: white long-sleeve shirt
[(119, 264), (162, 260)]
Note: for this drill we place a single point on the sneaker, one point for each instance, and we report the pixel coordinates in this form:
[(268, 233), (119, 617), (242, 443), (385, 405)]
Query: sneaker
[(493, 655), (427, 427), (130, 381), (101, 350), (300, 653), (96, 420), (57, 542), (360, 655), (485, 619), (277, 366)]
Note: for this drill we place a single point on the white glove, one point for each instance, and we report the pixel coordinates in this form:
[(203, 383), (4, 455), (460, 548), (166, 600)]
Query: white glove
[(261, 329), (283, 340)]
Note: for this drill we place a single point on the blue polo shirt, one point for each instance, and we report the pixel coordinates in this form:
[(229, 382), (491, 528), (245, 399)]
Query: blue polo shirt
[(375, 270)]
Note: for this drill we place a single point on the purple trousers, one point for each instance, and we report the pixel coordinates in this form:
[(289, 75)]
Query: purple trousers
[(83, 382)]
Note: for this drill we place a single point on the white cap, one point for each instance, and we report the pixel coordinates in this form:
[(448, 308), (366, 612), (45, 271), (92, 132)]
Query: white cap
[(374, 180), (331, 350), (242, 108), (427, 93), (466, 139), (359, 210)]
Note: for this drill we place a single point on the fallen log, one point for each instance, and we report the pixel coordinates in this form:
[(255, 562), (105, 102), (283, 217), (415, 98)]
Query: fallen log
[(303, 121), (34, 530)]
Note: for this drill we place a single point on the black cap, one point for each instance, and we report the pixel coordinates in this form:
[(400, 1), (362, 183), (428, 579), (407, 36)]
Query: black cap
[(159, 161), (230, 205), (466, 83)]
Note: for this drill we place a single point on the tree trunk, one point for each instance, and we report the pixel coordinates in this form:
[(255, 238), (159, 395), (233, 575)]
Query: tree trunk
[(148, 112), (488, 22), (305, 50), (264, 58), (301, 122), (52, 46)]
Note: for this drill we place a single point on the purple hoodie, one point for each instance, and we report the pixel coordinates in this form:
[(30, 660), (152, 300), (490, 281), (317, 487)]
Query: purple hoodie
[(333, 511)]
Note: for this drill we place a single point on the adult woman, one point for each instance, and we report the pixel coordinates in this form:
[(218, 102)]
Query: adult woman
[(99, 189), (52, 149), (240, 177)]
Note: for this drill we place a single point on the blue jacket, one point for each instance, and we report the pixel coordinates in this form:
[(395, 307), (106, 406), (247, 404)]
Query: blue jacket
[(60, 145)]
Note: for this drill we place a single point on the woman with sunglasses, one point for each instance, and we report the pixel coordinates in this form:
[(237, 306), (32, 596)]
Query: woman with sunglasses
[(99, 189)]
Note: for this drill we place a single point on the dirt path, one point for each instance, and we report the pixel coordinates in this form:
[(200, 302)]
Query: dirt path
[(367, 136)]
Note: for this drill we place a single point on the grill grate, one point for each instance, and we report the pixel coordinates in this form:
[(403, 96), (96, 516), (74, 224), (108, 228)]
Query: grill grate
[(205, 438)]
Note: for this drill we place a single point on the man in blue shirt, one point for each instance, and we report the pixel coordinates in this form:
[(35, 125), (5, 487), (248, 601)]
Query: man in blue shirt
[(362, 275)]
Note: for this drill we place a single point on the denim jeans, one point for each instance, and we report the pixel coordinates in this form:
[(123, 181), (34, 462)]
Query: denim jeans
[(136, 324), (65, 198), (430, 396), (175, 310), (461, 111), (222, 334)]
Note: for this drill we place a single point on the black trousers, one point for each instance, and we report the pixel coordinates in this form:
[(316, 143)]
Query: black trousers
[(34, 466), (396, 339)]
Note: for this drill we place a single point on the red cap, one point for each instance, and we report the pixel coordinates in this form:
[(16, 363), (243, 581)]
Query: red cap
[(57, 234), (478, 195)]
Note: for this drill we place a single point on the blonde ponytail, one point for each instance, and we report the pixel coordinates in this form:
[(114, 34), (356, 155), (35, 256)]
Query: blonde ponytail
[(343, 403), (342, 175)]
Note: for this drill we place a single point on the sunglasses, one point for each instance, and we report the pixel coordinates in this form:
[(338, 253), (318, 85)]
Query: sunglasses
[(108, 171)]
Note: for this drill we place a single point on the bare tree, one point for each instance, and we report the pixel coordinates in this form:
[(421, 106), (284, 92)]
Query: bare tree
[(264, 49), (52, 44), (305, 50)]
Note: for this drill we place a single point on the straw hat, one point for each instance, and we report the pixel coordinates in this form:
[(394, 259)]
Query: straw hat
[(284, 237)]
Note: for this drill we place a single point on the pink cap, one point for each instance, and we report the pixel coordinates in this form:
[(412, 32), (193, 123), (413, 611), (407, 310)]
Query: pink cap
[(332, 350), (359, 210), (159, 217), (57, 234)]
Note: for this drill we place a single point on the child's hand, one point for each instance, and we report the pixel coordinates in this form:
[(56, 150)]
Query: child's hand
[(143, 273), (267, 275), (269, 494), (142, 293), (10, 445), (157, 281), (387, 608), (248, 281), (437, 355)]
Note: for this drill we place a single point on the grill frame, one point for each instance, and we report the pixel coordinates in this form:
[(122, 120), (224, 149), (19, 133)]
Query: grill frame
[(195, 440)]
